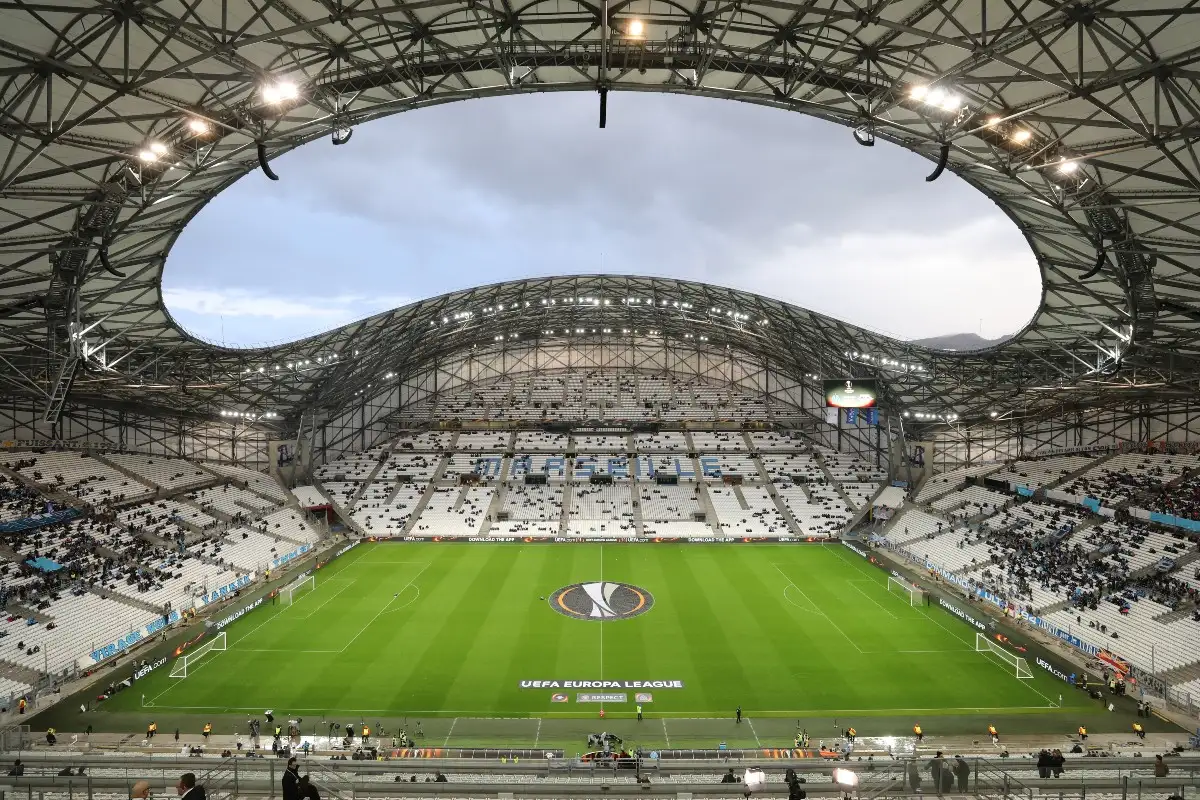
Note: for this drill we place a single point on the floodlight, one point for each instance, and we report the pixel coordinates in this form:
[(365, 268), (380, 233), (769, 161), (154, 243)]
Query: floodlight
[(935, 97), (636, 27), (754, 778), (198, 126), (158, 148), (147, 155), (1067, 166), (993, 121), (845, 777), (1021, 136), (280, 91), (950, 102), (918, 92), (993, 415)]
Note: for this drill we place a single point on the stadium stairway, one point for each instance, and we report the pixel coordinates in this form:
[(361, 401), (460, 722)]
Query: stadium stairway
[(128, 473), (837, 487), (710, 511), (438, 472), (568, 496), (1070, 476), (639, 522), (1181, 674), (371, 476), (861, 513), (772, 491), (17, 672), (342, 511), (24, 611), (133, 602), (498, 496), (47, 491)]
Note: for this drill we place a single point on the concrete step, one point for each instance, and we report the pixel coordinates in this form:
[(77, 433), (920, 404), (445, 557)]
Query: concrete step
[(427, 496), (122, 598), (1181, 674), (16, 672), (47, 490), (1070, 476), (25, 612), (128, 473)]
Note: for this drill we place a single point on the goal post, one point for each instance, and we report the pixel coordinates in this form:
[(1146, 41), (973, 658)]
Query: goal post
[(1020, 666), (916, 595), (297, 589), (181, 665)]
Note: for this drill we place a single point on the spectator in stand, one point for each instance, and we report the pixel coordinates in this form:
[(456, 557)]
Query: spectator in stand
[(140, 791), (187, 788), (291, 780)]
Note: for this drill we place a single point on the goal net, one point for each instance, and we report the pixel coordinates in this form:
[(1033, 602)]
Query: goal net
[(184, 662), (916, 595), (297, 589), (985, 645)]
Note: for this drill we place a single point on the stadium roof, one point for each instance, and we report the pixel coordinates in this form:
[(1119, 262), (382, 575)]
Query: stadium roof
[(121, 120)]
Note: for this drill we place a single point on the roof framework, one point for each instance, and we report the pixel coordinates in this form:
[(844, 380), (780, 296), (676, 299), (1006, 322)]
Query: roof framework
[(120, 120)]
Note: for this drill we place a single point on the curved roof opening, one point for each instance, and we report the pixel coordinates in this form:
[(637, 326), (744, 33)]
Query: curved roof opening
[(698, 189)]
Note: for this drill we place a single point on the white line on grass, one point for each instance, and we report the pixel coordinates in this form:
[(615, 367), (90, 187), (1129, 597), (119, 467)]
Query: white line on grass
[(385, 606), (602, 621), (757, 741), (818, 609), (449, 733), (929, 617), (403, 606), (537, 735), (476, 714), (853, 585), (282, 650), (665, 736), (335, 594)]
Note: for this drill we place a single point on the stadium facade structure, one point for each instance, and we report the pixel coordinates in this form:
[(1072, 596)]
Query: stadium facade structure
[(120, 121)]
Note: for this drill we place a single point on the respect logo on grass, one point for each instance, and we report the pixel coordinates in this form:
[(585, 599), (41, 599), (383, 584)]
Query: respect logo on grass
[(601, 600)]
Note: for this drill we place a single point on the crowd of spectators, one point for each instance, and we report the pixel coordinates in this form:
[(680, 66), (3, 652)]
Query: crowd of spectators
[(1181, 500), (1062, 568)]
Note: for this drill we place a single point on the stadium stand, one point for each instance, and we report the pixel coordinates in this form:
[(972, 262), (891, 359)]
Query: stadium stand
[(1123, 476), (943, 482), (79, 475), (1038, 473)]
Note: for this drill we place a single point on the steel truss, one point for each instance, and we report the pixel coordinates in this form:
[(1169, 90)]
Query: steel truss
[(96, 427), (376, 418), (119, 121), (1157, 425)]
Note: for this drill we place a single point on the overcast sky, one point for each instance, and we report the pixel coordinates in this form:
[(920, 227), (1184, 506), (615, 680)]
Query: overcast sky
[(471, 193)]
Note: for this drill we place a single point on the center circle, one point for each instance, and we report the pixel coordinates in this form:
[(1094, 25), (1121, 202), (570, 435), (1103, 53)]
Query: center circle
[(601, 600)]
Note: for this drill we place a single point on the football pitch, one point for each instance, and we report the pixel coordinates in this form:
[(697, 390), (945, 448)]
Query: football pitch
[(453, 632)]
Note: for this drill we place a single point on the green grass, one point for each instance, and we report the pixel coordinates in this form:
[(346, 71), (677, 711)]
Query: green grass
[(442, 630)]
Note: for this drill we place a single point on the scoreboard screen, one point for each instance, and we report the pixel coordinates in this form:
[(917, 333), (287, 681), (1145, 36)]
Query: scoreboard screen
[(851, 393)]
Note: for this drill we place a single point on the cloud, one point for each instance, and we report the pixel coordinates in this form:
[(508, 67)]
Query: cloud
[(472, 193), (239, 316)]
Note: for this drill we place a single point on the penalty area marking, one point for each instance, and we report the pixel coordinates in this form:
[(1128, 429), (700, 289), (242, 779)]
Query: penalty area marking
[(928, 616), (805, 606), (854, 585), (385, 607), (403, 606), (348, 581), (828, 619)]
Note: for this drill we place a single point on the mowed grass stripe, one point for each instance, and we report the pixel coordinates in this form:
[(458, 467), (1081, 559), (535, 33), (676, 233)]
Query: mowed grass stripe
[(792, 661), (713, 654), (478, 626)]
